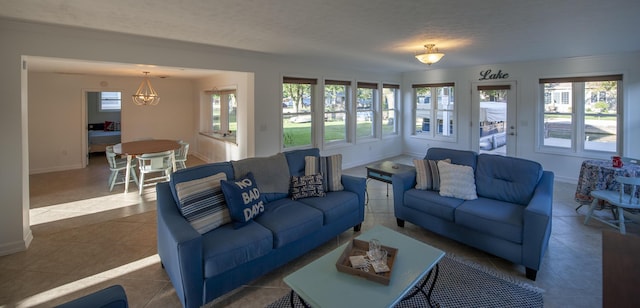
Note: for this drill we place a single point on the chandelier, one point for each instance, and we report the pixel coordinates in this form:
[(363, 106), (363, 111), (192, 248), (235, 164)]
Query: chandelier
[(146, 95), (430, 55)]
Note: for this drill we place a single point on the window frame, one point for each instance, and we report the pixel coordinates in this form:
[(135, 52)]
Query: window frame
[(433, 134), (101, 101), (395, 88), (373, 109), (311, 114), (225, 130), (348, 94), (577, 97)]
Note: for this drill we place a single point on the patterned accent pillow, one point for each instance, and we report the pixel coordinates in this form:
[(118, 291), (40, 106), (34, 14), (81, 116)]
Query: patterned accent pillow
[(329, 166), (244, 199), (307, 186), (202, 203), (427, 174), (457, 181)]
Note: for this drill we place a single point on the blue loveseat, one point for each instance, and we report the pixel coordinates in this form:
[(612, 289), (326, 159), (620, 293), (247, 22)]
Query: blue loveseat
[(511, 218), (205, 266)]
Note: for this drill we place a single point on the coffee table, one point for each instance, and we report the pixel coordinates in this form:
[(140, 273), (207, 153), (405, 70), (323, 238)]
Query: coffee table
[(320, 284)]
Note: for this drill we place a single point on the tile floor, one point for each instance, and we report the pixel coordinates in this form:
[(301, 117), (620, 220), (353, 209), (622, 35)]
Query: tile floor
[(86, 238)]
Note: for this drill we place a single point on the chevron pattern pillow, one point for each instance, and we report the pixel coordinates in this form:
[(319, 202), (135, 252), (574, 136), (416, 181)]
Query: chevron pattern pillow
[(307, 186)]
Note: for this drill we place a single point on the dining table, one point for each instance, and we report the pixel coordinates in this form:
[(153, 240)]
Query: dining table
[(598, 174), (134, 148)]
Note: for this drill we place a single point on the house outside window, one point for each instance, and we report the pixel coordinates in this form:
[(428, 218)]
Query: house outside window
[(581, 114), (367, 96), (110, 102), (297, 111), (389, 109), (434, 110), (337, 95)]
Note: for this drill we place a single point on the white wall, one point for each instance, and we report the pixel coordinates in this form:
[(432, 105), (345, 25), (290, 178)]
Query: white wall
[(20, 39), (57, 115), (565, 167)]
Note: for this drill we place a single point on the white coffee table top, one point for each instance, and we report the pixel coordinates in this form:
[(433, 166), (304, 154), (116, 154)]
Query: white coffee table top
[(321, 285)]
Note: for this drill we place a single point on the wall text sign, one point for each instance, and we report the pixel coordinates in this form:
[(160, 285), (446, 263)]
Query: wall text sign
[(487, 75)]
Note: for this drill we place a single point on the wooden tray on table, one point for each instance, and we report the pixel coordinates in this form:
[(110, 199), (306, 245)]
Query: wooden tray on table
[(360, 248)]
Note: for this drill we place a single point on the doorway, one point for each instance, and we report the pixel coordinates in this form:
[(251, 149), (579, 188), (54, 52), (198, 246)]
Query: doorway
[(493, 107), (101, 123)]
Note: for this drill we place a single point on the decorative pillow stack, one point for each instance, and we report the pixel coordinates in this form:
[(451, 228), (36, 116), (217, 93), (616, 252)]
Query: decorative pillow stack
[(329, 166), (457, 181), (203, 204), (243, 199), (427, 174), (307, 186)]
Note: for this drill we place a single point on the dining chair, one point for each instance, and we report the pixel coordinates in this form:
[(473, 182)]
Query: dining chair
[(181, 155), (620, 199), (154, 163), (116, 165)]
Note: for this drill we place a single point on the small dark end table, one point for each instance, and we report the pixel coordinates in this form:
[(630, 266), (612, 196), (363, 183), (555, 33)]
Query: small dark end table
[(385, 170)]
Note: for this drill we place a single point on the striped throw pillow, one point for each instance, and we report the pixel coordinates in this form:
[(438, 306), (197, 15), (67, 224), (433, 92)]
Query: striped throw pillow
[(427, 174), (202, 203), (329, 166)]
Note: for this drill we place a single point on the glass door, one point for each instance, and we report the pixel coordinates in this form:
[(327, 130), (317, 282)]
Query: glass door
[(494, 106)]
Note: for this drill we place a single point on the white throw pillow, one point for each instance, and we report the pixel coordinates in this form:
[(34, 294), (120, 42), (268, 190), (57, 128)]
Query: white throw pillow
[(457, 181)]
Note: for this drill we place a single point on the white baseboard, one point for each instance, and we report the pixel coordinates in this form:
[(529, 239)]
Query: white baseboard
[(13, 247), (55, 169)]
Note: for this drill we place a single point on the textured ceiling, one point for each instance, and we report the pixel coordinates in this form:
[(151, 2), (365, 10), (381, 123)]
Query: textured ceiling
[(373, 35)]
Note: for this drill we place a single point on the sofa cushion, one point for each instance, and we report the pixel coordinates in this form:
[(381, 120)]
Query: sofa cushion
[(507, 179), (307, 186), (427, 174), (289, 221), (270, 172), (202, 202), (335, 205), (457, 181), (198, 172), (430, 202), (243, 199), (330, 167), (497, 218), (296, 160), (458, 157), (225, 248)]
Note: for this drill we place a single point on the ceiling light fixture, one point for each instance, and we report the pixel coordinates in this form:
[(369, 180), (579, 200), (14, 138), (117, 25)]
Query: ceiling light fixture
[(146, 95), (430, 54)]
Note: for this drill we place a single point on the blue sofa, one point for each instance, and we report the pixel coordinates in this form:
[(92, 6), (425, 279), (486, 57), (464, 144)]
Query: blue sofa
[(511, 218), (204, 267), (110, 297)]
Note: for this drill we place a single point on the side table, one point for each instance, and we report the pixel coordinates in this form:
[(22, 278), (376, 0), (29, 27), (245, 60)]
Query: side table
[(385, 170)]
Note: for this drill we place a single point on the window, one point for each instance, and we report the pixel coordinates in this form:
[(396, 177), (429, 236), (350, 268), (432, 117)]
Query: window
[(336, 100), (110, 101), (434, 110), (390, 94), (366, 98), (222, 119), (297, 115), (581, 113)]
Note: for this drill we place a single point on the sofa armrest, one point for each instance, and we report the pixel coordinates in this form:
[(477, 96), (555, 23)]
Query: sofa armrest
[(402, 182), (113, 297), (180, 248), (537, 222), (358, 186)]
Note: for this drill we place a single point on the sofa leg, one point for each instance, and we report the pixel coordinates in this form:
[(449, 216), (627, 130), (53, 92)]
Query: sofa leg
[(357, 227), (531, 274), (400, 222)]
